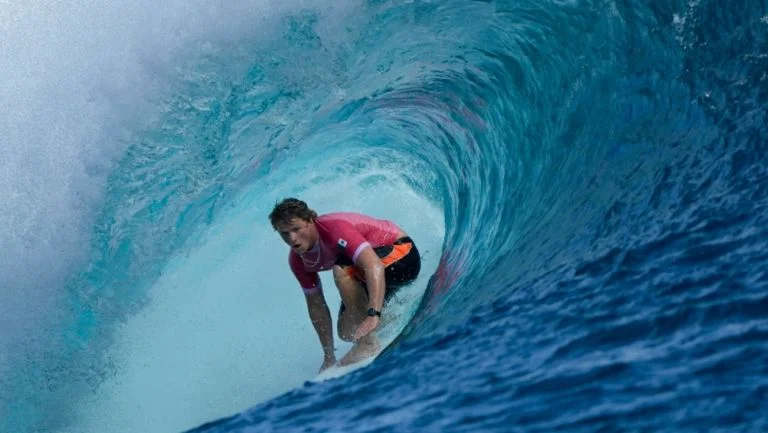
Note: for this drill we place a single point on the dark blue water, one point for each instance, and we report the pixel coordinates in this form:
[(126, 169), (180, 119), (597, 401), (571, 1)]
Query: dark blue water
[(590, 179)]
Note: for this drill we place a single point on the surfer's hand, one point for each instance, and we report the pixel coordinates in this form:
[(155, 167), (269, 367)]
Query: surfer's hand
[(366, 327), (328, 363)]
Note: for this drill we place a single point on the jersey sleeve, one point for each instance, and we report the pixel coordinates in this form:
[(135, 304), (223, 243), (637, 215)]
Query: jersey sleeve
[(309, 281), (348, 240)]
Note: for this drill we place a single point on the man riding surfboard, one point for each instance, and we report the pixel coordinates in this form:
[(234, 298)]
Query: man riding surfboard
[(370, 259)]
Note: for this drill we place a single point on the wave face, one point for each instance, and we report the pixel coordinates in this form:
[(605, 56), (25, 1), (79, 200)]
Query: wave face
[(587, 180)]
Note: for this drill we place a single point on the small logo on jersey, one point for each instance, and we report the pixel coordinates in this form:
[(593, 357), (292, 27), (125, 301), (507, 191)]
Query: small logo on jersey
[(342, 244)]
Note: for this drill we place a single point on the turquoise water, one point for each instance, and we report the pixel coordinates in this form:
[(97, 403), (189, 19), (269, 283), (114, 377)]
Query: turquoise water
[(586, 180)]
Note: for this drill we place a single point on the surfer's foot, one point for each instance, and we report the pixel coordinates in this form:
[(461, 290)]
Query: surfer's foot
[(363, 349)]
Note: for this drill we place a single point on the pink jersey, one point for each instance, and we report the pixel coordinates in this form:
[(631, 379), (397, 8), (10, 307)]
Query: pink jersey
[(340, 233)]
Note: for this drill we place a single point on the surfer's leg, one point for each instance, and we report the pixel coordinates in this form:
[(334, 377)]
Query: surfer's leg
[(363, 348), (402, 263), (354, 301)]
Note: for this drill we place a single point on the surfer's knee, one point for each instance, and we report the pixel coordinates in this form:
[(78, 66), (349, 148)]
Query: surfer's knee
[(350, 289), (341, 277)]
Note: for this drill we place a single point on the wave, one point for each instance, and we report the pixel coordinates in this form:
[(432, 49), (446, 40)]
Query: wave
[(587, 177)]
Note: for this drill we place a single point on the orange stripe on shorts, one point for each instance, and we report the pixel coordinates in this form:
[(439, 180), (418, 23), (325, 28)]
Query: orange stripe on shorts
[(398, 252)]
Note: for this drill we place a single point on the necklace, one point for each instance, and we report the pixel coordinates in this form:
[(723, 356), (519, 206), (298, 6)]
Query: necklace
[(319, 256)]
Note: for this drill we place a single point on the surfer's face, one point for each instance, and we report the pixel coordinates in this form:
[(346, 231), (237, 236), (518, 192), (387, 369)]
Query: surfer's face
[(299, 234)]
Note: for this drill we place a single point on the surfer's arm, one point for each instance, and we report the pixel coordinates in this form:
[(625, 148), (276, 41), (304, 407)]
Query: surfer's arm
[(370, 263), (321, 320)]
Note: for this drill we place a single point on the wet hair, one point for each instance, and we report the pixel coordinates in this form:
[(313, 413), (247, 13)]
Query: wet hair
[(289, 209)]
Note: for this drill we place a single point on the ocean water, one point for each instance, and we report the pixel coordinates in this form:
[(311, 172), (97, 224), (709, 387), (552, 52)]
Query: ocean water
[(587, 182)]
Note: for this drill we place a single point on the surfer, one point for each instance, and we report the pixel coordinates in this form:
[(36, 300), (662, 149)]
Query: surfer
[(370, 259)]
